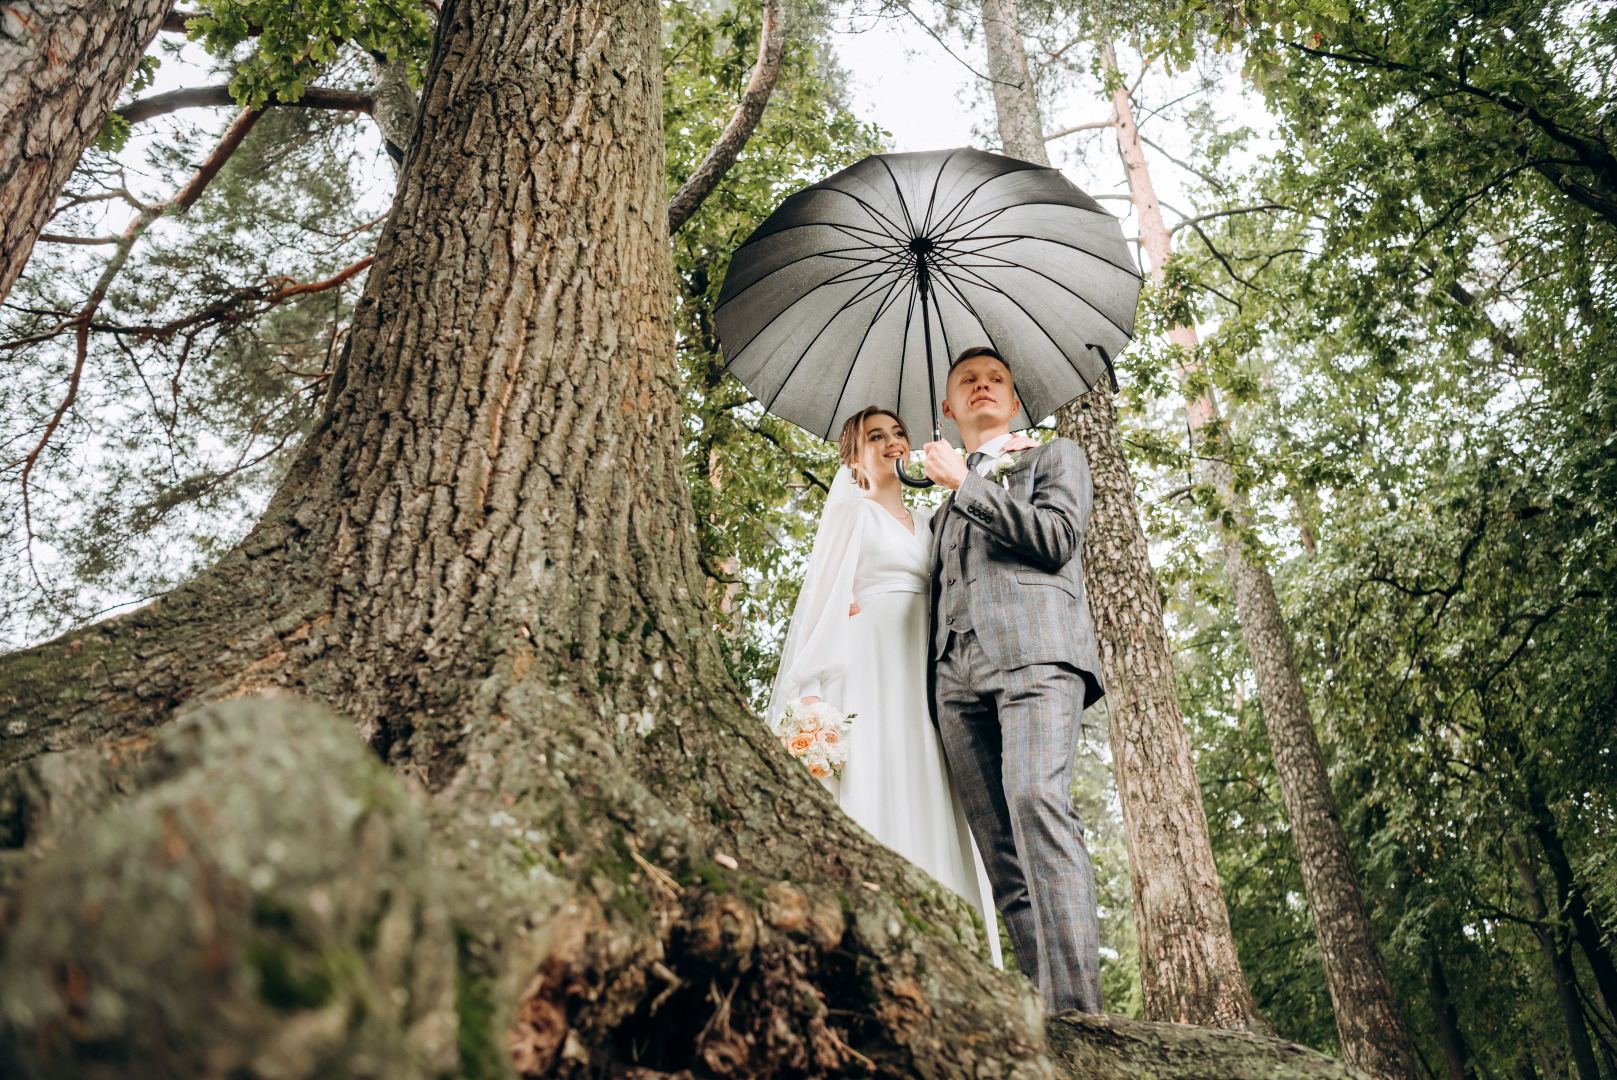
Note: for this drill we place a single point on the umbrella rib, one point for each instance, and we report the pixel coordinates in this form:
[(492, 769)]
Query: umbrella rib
[(894, 231), (909, 222), (960, 296), (887, 262), (881, 309), (1088, 386), (943, 328), (968, 196), (812, 341), (988, 214), (1000, 240), (864, 293), (903, 354), (841, 279), (932, 200), (1064, 288)]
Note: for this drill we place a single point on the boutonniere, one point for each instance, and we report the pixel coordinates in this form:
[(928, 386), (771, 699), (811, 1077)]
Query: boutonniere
[(1002, 467)]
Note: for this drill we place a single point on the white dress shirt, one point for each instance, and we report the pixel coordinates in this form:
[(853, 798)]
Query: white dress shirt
[(993, 448)]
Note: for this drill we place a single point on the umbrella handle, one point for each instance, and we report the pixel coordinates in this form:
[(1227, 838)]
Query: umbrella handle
[(905, 479)]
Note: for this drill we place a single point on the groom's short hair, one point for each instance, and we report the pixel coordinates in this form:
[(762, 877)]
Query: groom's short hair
[(975, 351)]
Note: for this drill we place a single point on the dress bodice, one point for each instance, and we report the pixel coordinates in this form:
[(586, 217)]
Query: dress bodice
[(890, 558)]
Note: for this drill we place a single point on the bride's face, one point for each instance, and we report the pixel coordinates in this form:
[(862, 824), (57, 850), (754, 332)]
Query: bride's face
[(885, 442)]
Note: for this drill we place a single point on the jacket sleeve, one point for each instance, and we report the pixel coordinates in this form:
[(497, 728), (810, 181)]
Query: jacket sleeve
[(1048, 530)]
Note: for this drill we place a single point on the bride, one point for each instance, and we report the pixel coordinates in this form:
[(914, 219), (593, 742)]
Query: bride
[(858, 641)]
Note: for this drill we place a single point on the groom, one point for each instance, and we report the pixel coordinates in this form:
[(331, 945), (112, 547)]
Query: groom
[(1013, 665)]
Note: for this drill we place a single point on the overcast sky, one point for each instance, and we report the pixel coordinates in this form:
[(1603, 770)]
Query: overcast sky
[(910, 84)]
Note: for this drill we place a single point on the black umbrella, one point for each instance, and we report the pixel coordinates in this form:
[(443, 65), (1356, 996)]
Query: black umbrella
[(858, 290)]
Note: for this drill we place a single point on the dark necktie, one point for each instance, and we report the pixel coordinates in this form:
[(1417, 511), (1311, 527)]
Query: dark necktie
[(974, 460)]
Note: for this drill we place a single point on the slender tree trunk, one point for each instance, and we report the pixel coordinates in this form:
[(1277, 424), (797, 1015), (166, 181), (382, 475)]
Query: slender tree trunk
[(1368, 1020), (483, 559), (1573, 903), (1559, 962), (62, 65), (1189, 971), (1455, 1051), (1016, 104)]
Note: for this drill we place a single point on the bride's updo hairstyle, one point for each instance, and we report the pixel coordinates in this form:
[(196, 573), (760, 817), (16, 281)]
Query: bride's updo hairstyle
[(851, 443)]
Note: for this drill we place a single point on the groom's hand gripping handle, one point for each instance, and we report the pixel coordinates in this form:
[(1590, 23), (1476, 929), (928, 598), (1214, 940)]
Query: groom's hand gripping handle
[(944, 465)]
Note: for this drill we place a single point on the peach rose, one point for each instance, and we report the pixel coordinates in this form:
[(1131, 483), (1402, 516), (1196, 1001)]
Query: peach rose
[(800, 744), (829, 738), (819, 770), (808, 721)]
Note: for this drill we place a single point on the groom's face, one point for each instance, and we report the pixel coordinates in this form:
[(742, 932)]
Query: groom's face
[(981, 394)]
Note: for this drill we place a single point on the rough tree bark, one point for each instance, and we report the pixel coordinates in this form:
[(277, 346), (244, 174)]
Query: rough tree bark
[(1188, 967), (62, 65), (1189, 971), (1368, 1021)]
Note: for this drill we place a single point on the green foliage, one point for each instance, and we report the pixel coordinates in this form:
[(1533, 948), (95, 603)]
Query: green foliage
[(292, 43), (756, 482)]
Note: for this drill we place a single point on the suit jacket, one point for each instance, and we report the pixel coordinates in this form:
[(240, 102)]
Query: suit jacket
[(1023, 565)]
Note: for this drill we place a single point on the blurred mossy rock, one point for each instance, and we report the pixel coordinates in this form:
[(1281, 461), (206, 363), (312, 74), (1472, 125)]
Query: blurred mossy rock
[(1087, 1047), (249, 894)]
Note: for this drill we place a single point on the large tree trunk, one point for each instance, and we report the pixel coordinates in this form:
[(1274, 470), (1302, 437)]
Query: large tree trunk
[(483, 559), (1189, 971), (62, 65), (1368, 1020)]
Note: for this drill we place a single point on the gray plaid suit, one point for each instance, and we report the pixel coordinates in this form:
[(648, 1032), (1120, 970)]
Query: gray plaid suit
[(1013, 664)]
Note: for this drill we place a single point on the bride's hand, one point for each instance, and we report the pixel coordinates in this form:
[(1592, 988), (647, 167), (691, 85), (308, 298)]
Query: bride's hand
[(1019, 443), (811, 700), (853, 609)]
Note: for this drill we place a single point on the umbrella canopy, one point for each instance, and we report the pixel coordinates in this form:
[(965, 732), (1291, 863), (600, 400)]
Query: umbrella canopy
[(858, 291)]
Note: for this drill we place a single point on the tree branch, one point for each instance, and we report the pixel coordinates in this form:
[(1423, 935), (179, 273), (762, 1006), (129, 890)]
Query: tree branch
[(1194, 221), (176, 22), (228, 145), (1081, 127), (55, 238), (182, 200), (723, 154), (314, 97), (1597, 159), (1213, 181)]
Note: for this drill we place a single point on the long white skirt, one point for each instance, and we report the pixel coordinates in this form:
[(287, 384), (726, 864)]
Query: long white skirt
[(896, 784)]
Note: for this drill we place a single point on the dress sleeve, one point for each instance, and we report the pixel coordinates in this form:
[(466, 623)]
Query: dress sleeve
[(814, 660)]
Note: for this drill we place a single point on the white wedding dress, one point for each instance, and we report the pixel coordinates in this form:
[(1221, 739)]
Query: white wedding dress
[(896, 783)]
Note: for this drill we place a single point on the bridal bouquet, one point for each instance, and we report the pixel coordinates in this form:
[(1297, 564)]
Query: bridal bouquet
[(817, 735)]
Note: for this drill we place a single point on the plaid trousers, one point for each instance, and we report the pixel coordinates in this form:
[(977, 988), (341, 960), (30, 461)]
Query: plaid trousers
[(1010, 737)]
